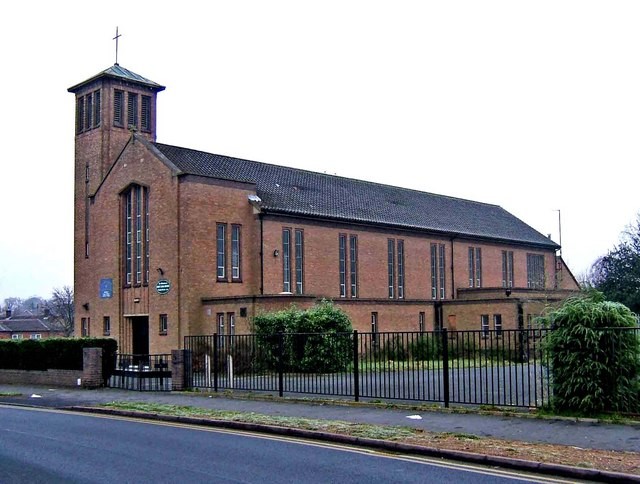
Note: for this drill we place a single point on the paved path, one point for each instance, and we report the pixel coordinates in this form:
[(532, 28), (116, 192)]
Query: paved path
[(584, 434)]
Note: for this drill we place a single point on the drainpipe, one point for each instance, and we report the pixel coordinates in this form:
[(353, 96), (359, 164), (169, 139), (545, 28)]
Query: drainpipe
[(261, 253), (453, 281)]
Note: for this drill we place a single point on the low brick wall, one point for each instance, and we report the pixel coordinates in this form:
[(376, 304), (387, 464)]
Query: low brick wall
[(58, 378)]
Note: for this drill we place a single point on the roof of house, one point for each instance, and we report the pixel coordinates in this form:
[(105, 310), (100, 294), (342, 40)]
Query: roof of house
[(19, 324), (116, 71), (292, 191)]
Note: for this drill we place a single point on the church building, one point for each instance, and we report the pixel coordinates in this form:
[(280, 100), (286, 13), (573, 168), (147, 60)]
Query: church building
[(172, 242)]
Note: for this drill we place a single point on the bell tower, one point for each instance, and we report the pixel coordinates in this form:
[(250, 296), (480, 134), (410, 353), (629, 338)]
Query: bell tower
[(109, 107)]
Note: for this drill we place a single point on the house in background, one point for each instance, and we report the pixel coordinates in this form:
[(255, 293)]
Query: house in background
[(29, 326), (172, 242)]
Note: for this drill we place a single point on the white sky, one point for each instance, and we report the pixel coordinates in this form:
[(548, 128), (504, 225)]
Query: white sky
[(534, 106)]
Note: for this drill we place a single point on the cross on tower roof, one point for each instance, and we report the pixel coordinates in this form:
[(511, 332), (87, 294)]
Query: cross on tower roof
[(116, 39)]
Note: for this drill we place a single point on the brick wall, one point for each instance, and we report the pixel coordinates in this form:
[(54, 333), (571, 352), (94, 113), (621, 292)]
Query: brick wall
[(63, 378)]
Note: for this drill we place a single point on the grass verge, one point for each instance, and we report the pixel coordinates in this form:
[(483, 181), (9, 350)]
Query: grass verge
[(626, 462)]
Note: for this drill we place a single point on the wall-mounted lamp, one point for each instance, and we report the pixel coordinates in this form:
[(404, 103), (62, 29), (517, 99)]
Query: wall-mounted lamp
[(508, 291), (276, 253), (86, 306), (159, 269)]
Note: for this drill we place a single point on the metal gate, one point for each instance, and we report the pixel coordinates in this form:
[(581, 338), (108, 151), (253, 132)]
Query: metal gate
[(142, 372)]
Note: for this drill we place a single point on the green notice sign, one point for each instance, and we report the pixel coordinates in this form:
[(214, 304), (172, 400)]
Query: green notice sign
[(163, 286)]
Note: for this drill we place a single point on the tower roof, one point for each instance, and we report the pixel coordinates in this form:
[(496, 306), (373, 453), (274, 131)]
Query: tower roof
[(118, 72)]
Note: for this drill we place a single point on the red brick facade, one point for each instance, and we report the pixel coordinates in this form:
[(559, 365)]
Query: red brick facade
[(185, 213)]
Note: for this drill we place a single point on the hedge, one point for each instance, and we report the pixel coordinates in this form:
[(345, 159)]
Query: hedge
[(55, 353)]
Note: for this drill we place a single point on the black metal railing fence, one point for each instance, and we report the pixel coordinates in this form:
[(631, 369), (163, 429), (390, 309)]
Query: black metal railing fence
[(486, 367)]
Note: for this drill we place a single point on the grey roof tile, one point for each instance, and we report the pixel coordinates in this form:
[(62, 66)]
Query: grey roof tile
[(311, 194), (24, 324), (116, 71)]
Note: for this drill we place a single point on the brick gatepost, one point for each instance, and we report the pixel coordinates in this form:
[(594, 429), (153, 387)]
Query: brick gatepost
[(180, 360), (92, 368)]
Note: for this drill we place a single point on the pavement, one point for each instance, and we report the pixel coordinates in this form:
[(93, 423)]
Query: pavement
[(583, 433)]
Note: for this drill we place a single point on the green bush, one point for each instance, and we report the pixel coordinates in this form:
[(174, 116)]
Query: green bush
[(594, 353), (315, 340), (55, 353)]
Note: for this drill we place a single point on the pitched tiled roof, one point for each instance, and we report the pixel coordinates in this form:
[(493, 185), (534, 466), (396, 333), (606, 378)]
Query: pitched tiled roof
[(116, 71), (31, 324), (305, 193)]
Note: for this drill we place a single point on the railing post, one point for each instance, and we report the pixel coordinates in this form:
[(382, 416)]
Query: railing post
[(445, 366), (215, 362), (356, 369), (280, 364)]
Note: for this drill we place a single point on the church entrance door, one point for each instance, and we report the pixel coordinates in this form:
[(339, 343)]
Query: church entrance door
[(140, 335)]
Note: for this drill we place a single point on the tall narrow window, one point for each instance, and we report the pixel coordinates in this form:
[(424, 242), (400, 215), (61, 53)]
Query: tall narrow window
[(88, 111), (128, 264), (299, 234), (475, 267), (236, 273), (146, 236), (231, 320), (497, 324), (80, 114), (221, 252), (421, 318), (163, 324), (85, 327), (118, 108), (132, 110), (484, 325), (535, 271), (374, 328), (138, 218), (342, 264), (434, 271), (438, 288), (220, 319), (391, 261), (507, 268), (106, 325), (441, 271), (400, 269), (145, 113), (136, 235), (97, 112), (286, 260), (353, 264)]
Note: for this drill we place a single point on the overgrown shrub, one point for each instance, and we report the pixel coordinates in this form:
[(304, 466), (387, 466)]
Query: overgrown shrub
[(393, 349), (427, 347), (244, 355), (595, 356), (313, 340)]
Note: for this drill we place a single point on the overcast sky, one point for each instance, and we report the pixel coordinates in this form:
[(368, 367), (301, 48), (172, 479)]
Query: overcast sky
[(533, 106)]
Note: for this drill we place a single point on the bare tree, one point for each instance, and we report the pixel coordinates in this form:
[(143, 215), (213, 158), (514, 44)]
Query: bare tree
[(12, 303), (61, 306)]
